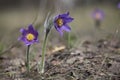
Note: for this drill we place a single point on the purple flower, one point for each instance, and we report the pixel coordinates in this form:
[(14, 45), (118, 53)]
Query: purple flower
[(98, 14), (60, 22), (29, 36), (118, 5)]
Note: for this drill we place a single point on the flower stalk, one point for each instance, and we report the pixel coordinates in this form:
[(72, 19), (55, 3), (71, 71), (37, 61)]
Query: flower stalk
[(48, 25), (69, 41), (43, 54), (28, 59)]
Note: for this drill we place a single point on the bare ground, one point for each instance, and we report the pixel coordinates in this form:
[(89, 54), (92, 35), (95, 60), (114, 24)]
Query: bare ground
[(99, 60)]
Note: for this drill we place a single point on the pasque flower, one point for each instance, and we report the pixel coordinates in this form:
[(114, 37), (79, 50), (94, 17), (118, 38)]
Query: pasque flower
[(29, 36), (118, 5), (61, 22), (98, 14)]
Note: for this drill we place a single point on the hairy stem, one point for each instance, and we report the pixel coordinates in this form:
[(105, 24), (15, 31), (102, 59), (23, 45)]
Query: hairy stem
[(28, 56), (69, 41), (43, 55)]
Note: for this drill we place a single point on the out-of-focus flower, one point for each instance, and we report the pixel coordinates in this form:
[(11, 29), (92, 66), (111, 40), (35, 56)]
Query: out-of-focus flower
[(118, 5), (61, 22), (29, 36), (98, 14)]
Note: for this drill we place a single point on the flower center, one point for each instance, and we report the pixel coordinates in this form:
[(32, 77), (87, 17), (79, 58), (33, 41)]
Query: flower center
[(59, 22), (30, 37), (98, 16)]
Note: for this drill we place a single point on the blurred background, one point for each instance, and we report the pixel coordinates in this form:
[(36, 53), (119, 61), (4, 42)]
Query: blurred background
[(15, 14)]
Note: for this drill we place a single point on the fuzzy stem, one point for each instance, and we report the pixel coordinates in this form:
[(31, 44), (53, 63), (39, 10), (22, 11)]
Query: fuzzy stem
[(28, 56), (69, 41), (43, 55)]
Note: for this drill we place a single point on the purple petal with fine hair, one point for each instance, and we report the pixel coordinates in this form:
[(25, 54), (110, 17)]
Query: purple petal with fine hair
[(64, 15), (67, 13), (36, 34), (66, 28), (27, 42), (23, 31), (22, 38), (59, 30), (31, 29), (68, 20)]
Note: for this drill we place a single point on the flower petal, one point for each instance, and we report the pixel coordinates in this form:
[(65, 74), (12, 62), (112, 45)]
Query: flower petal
[(34, 32), (66, 28), (59, 30), (22, 39), (67, 20), (23, 31), (37, 40), (31, 29), (64, 15), (27, 42), (36, 35)]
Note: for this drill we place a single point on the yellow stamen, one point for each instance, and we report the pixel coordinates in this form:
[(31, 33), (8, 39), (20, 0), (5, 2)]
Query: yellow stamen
[(30, 36), (59, 22)]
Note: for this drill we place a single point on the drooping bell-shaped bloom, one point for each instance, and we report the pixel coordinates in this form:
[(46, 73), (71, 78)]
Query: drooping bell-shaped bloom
[(98, 14), (29, 36), (61, 22)]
